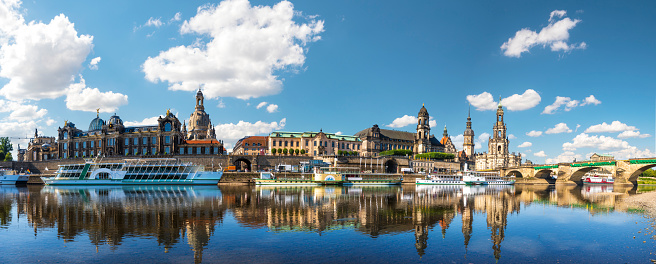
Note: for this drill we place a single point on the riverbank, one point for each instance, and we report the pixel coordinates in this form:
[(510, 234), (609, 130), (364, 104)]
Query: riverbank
[(644, 201)]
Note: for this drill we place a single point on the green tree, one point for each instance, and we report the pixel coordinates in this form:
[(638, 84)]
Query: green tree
[(284, 151), (273, 151), (302, 151), (296, 151), (5, 145), (8, 157)]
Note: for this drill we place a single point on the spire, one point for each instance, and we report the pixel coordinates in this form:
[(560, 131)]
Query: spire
[(499, 101), (445, 133)]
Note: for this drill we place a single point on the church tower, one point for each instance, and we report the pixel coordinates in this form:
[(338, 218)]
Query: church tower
[(468, 145), (199, 121), (498, 144), (422, 138)]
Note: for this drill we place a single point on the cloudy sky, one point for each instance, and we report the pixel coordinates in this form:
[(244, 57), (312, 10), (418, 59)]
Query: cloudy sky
[(574, 77)]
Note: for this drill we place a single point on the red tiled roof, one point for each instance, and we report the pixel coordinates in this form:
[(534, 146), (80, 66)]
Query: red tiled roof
[(197, 141)]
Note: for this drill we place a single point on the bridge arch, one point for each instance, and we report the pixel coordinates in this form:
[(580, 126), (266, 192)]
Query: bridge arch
[(516, 173), (391, 166), (577, 176), (634, 176), (242, 164)]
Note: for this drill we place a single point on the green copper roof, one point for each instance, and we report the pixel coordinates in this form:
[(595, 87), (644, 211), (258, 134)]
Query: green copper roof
[(283, 134)]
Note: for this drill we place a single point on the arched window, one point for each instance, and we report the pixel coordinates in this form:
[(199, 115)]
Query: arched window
[(499, 148), (167, 127)]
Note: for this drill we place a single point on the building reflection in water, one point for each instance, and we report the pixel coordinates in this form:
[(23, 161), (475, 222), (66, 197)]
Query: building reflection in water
[(173, 214)]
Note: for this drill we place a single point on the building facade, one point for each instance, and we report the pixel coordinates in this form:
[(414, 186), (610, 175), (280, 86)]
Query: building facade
[(498, 155), (252, 145), (374, 140), (112, 138), (39, 148), (314, 143)]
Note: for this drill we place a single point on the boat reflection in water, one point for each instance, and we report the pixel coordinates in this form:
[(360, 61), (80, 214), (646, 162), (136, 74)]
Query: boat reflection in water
[(177, 215)]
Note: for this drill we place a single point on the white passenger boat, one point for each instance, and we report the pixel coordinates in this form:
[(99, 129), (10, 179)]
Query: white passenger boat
[(10, 177), (134, 171), (466, 178)]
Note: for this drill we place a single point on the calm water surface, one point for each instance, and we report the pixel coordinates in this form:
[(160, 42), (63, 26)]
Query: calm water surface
[(409, 223)]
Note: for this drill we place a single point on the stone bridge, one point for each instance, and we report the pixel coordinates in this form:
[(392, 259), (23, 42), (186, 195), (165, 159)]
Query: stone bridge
[(623, 171)]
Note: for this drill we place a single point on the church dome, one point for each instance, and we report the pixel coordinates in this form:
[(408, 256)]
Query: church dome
[(115, 120), (423, 111), (96, 124), (469, 132)]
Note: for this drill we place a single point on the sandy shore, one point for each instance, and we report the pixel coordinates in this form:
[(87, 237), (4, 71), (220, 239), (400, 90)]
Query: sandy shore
[(644, 201)]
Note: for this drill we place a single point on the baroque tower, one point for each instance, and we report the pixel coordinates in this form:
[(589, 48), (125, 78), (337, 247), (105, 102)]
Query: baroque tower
[(200, 126), (468, 145), (498, 143), (422, 138)]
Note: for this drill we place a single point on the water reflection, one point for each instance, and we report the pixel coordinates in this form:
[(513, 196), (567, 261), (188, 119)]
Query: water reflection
[(178, 214)]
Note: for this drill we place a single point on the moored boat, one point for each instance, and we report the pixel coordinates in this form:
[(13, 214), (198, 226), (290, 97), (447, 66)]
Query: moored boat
[(598, 180), (165, 171), (10, 177)]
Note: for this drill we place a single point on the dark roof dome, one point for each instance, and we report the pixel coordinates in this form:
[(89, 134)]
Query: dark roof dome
[(96, 124), (423, 111), (115, 120), (469, 132)]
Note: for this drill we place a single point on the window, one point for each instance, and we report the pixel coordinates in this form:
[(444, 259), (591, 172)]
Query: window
[(77, 145), (246, 144), (64, 155), (153, 151), (136, 151), (189, 151), (246, 149), (65, 135), (167, 127), (167, 150), (285, 143), (259, 144), (207, 150), (136, 141), (153, 140), (64, 147), (273, 143), (84, 144), (167, 139), (127, 141), (325, 144), (315, 144), (145, 140), (216, 150), (198, 150), (181, 151), (145, 151), (306, 143), (280, 143), (99, 143), (91, 155), (91, 143), (333, 145)]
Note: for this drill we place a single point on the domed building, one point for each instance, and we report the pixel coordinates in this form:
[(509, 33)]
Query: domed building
[(200, 125), (39, 148)]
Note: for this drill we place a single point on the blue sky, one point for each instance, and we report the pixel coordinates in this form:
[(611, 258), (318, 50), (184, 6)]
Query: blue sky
[(574, 77)]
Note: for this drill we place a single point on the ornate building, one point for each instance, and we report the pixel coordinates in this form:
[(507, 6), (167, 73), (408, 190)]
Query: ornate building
[(251, 145), (39, 148), (313, 143), (169, 136), (497, 155), (375, 140)]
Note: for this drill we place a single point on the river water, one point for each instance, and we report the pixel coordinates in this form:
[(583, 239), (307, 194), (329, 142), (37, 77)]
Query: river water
[(434, 224)]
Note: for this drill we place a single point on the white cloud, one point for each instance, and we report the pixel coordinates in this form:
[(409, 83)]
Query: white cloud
[(93, 65), (82, 98), (615, 126), (559, 128), (482, 140), (632, 134), (230, 133), (534, 133), (176, 17), (511, 136), (483, 101), (550, 109), (432, 123), (516, 102), (40, 60), (525, 145), (566, 156), (590, 100), (555, 34), (18, 129), (247, 45), (221, 104), (599, 142), (338, 133), (272, 108), (540, 154), (577, 127), (632, 152), (153, 22), (403, 121), (260, 105), (21, 112), (50, 122), (149, 121)]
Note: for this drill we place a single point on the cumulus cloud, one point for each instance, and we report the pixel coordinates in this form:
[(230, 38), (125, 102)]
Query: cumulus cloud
[(18, 129), (516, 102), (260, 105), (559, 128), (525, 145), (403, 121), (432, 123), (540, 154), (153, 22), (338, 133), (176, 17), (40, 60), (632, 134), (82, 98), (511, 136), (555, 34), (569, 103), (632, 152), (481, 140), (458, 141), (148, 121), (230, 132), (247, 45), (483, 101), (566, 156), (599, 142), (21, 112), (93, 65), (615, 126), (534, 133), (272, 108), (590, 100)]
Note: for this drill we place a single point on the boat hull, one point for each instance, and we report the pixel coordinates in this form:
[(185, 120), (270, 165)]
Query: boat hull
[(132, 182), (372, 182), (439, 182), (14, 179)]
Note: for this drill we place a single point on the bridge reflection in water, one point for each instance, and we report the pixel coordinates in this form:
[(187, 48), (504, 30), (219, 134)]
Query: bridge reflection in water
[(185, 214)]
